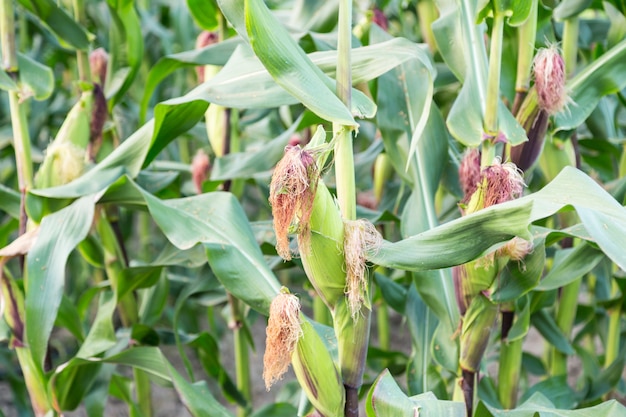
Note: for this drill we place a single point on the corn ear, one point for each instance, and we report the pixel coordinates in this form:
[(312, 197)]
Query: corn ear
[(477, 323), (65, 156), (382, 172), (322, 258), (316, 371)]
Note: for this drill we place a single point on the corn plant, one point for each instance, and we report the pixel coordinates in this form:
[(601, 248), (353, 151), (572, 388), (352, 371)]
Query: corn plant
[(174, 174)]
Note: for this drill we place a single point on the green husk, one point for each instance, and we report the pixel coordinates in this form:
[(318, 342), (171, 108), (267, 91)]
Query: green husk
[(317, 373), (477, 324), (65, 156), (321, 252)]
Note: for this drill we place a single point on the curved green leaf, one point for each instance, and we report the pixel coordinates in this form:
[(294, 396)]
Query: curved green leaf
[(574, 263), (461, 44), (456, 242), (539, 405), (204, 13), (216, 54), (51, 15), (290, 67), (218, 222), (196, 397), (605, 75), (385, 398), (35, 78), (59, 234)]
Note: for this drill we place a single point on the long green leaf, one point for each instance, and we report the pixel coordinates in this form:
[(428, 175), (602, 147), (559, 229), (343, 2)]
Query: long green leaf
[(575, 263), (456, 242), (385, 398), (606, 75), (290, 67), (460, 41), (58, 235), (51, 15), (218, 222), (539, 405)]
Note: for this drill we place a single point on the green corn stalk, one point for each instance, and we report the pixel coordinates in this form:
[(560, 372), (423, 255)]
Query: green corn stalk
[(527, 33)]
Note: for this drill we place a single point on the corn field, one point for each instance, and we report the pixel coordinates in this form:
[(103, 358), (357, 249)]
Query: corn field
[(417, 204)]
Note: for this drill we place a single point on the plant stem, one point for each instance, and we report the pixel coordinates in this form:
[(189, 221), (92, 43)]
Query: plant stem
[(80, 15), (242, 361), (142, 390), (565, 320), (382, 316), (526, 51), (570, 44), (614, 332), (493, 86), (21, 137), (510, 364)]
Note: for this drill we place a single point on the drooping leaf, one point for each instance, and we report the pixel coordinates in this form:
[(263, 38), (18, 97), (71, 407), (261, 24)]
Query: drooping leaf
[(51, 15), (385, 398), (539, 405), (605, 75), (456, 242), (218, 222), (59, 234), (574, 264), (546, 325), (35, 78), (205, 13), (290, 67)]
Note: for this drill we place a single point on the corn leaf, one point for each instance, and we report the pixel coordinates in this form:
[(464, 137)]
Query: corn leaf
[(49, 14), (385, 398), (606, 75), (539, 405), (196, 397), (290, 67), (125, 49), (205, 13), (218, 222), (35, 78), (573, 264), (59, 234), (461, 44)]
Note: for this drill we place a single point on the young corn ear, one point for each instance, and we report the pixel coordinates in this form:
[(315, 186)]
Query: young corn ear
[(283, 331), (317, 373), (477, 324), (360, 239), (65, 156), (292, 193), (321, 252)]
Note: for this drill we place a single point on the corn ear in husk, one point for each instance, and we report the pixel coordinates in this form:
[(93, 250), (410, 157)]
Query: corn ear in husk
[(316, 371), (477, 324), (321, 252), (65, 156)]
